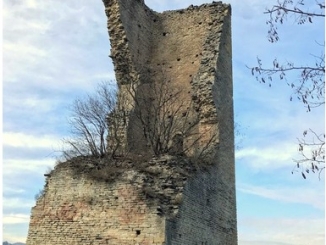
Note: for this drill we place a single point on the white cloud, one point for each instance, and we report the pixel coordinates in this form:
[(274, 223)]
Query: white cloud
[(11, 167), (17, 202), (9, 190), (273, 156), (312, 195), (15, 218), (29, 141), (281, 231), (46, 49)]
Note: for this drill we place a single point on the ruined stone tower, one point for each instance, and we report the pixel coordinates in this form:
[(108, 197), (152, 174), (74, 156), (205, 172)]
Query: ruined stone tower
[(190, 49), (161, 203)]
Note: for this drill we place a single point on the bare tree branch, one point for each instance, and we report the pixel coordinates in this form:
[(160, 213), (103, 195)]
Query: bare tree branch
[(166, 121), (312, 153), (278, 15), (309, 87), (88, 123)]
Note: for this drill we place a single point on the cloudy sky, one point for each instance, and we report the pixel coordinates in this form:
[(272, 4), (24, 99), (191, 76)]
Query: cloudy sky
[(55, 51)]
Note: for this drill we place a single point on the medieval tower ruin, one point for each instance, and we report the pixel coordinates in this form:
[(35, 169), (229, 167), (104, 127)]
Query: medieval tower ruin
[(183, 57)]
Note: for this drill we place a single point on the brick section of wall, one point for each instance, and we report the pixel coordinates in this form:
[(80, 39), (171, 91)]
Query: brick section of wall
[(206, 215), (78, 210), (168, 202)]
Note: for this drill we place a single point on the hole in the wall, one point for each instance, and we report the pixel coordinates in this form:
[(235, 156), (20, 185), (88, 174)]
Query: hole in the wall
[(179, 235), (178, 59), (199, 23), (154, 20), (164, 34), (159, 211), (137, 232), (116, 198), (207, 201), (190, 75), (139, 25), (196, 55)]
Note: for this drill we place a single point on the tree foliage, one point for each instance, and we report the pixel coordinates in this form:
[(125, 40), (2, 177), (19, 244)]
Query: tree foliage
[(309, 88)]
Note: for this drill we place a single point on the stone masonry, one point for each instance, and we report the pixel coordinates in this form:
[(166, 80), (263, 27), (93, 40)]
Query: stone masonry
[(190, 48), (168, 200), (78, 210)]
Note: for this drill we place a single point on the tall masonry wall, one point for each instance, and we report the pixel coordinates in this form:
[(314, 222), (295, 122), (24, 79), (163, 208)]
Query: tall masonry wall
[(166, 201), (180, 48), (191, 49)]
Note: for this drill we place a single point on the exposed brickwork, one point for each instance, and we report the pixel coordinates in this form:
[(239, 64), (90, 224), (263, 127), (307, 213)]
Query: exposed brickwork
[(166, 201), (207, 214), (78, 210)]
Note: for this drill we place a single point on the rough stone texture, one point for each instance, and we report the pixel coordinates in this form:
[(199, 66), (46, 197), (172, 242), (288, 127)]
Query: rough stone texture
[(75, 209), (183, 47), (192, 48), (167, 200)]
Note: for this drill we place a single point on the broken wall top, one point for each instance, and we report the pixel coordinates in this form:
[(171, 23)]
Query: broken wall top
[(182, 47), (144, 42)]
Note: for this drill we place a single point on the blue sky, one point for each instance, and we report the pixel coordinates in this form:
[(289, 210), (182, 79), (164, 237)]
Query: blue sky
[(55, 51)]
